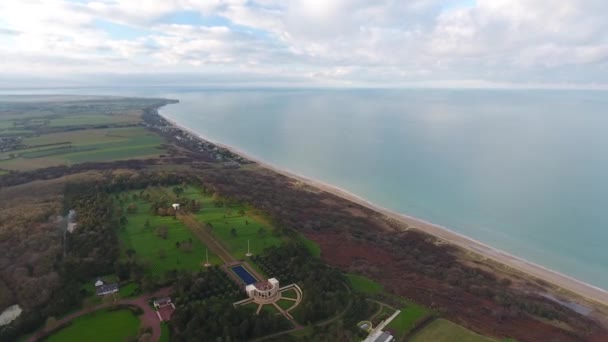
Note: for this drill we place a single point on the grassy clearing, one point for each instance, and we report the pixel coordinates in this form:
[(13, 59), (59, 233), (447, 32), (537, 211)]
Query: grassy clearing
[(364, 285), (442, 330), (407, 319), (233, 226), (99, 326), (130, 290), (165, 334), (312, 246), (159, 254), (285, 304), (289, 294)]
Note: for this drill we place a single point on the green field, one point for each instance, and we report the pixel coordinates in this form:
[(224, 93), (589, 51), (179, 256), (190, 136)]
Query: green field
[(85, 146), (100, 326), (165, 334), (364, 285), (66, 130), (442, 330), (285, 304), (3, 172), (224, 219), (407, 319), (159, 254)]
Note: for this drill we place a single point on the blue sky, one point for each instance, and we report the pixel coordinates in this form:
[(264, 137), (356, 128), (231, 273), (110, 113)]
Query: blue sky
[(460, 43)]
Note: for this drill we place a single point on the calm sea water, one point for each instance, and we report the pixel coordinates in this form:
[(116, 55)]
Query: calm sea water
[(523, 171)]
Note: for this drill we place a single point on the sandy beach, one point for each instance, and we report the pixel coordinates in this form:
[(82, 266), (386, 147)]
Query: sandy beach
[(560, 280)]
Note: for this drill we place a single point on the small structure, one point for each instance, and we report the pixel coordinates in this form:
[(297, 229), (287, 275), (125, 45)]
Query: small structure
[(378, 335), (164, 308), (105, 289), (175, 206), (264, 292), (248, 251), (384, 337), (207, 264)]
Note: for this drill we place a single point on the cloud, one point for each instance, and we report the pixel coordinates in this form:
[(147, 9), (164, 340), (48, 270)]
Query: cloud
[(349, 42)]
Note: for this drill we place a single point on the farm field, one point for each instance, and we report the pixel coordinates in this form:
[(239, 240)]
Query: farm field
[(180, 249), (39, 131), (90, 327), (442, 330), (84, 146)]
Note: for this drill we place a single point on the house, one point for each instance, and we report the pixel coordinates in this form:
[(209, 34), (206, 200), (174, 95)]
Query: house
[(105, 289)]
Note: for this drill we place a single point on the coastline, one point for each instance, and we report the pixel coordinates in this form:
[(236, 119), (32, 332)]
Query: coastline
[(557, 279)]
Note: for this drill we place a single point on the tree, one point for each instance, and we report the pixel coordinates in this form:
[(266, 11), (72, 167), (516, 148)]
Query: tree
[(261, 232), (233, 232), (162, 231), (177, 190)]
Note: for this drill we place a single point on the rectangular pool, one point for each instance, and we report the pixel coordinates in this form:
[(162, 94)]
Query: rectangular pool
[(245, 276)]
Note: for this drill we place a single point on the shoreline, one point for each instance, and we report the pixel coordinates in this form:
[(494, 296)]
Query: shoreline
[(555, 278)]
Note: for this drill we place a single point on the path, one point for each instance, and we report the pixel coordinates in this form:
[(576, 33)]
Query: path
[(148, 318), (201, 232)]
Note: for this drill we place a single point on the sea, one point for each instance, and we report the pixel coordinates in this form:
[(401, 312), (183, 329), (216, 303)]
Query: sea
[(524, 171)]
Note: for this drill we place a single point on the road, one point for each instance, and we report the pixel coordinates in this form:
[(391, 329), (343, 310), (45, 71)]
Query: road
[(148, 318)]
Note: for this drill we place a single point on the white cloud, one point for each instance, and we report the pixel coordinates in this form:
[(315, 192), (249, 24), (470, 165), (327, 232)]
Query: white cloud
[(335, 42)]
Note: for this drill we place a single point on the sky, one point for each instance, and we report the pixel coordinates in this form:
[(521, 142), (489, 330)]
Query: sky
[(384, 43)]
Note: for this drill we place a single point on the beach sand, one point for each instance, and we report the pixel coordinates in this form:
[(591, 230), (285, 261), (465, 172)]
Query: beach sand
[(562, 281)]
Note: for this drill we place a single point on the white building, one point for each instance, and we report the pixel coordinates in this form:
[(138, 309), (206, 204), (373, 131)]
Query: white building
[(263, 292)]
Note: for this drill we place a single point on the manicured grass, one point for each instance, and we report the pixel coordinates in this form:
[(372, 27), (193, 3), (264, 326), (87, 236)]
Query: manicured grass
[(270, 309), (442, 330), (285, 304), (364, 285), (129, 290), (165, 335), (289, 294), (225, 218), (99, 326), (407, 319), (159, 254)]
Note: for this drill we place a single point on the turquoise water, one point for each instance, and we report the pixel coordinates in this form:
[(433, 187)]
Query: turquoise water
[(523, 171)]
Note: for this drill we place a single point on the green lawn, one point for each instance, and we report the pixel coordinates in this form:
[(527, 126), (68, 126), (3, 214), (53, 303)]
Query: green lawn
[(3, 172), (289, 294), (442, 330), (285, 304), (224, 219), (161, 254), (364, 285), (164, 333), (129, 290), (100, 326), (407, 319)]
